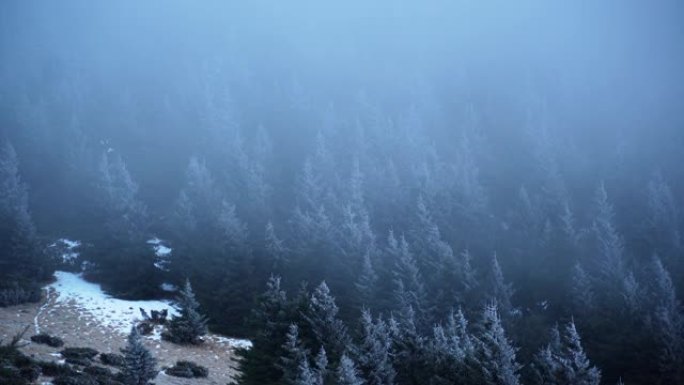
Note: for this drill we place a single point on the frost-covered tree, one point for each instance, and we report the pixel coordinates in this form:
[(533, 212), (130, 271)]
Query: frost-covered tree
[(496, 354), (322, 317), (18, 232), (190, 325), (608, 263), (347, 373), (275, 247), (140, 366), (668, 324), (21, 262), (564, 362), (581, 291), (374, 353), (198, 200), (409, 290), (367, 281), (270, 318), (578, 370), (294, 355), (663, 222), (127, 215), (500, 291)]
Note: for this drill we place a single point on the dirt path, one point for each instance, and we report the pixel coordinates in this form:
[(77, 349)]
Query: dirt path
[(78, 329)]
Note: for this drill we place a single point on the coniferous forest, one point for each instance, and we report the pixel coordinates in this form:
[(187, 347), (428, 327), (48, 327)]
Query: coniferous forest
[(377, 193)]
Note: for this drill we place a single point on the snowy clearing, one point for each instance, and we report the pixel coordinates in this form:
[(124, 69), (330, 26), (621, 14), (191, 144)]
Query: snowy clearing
[(117, 314)]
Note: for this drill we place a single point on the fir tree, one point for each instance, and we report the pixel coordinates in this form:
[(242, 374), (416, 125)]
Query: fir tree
[(347, 373), (294, 355), (496, 353), (140, 367), (321, 316), (374, 351), (190, 325), (270, 321), (500, 291)]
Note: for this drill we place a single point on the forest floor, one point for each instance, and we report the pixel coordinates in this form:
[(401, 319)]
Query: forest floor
[(84, 318)]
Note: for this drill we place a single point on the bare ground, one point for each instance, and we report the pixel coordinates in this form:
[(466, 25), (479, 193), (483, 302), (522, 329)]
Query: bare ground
[(78, 329)]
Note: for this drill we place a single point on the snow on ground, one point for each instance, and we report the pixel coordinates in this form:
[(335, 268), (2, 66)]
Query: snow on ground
[(69, 254), (162, 252), (72, 290), (115, 313), (232, 342)]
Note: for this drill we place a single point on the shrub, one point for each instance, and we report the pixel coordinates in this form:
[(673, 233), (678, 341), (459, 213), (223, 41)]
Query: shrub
[(48, 340), (187, 369)]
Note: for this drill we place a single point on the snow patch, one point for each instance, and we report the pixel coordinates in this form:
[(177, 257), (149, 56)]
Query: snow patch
[(89, 298), (168, 287), (68, 246), (232, 342), (162, 252)]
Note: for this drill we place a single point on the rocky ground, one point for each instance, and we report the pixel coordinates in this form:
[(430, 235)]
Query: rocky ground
[(79, 326)]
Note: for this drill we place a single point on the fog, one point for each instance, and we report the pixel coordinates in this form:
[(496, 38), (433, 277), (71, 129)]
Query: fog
[(307, 139)]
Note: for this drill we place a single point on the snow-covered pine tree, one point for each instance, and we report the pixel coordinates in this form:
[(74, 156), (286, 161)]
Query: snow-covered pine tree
[(270, 320), (275, 248), (321, 316), (374, 351), (293, 357), (347, 374), (500, 292), (127, 215), (367, 281), (190, 325), (140, 366), (609, 264), (581, 292), (409, 290), (667, 324), (497, 356), (563, 361), (577, 369), (21, 262), (663, 223)]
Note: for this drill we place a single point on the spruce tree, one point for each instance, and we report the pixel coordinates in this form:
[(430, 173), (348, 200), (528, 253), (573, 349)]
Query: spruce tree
[(374, 353), (347, 373), (190, 325), (328, 330), (496, 353), (293, 357), (269, 322), (140, 367)]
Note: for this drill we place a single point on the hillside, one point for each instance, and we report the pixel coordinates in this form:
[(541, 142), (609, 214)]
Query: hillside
[(79, 313)]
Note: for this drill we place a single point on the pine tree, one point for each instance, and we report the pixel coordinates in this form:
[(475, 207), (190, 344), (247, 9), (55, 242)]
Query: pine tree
[(668, 324), (578, 370), (374, 351), (190, 325), (321, 316), (22, 264), (663, 216), (270, 322), (127, 216), (367, 281), (140, 367), (409, 291), (563, 361), (500, 291), (347, 373), (582, 295), (609, 261), (293, 357), (275, 248), (496, 353)]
